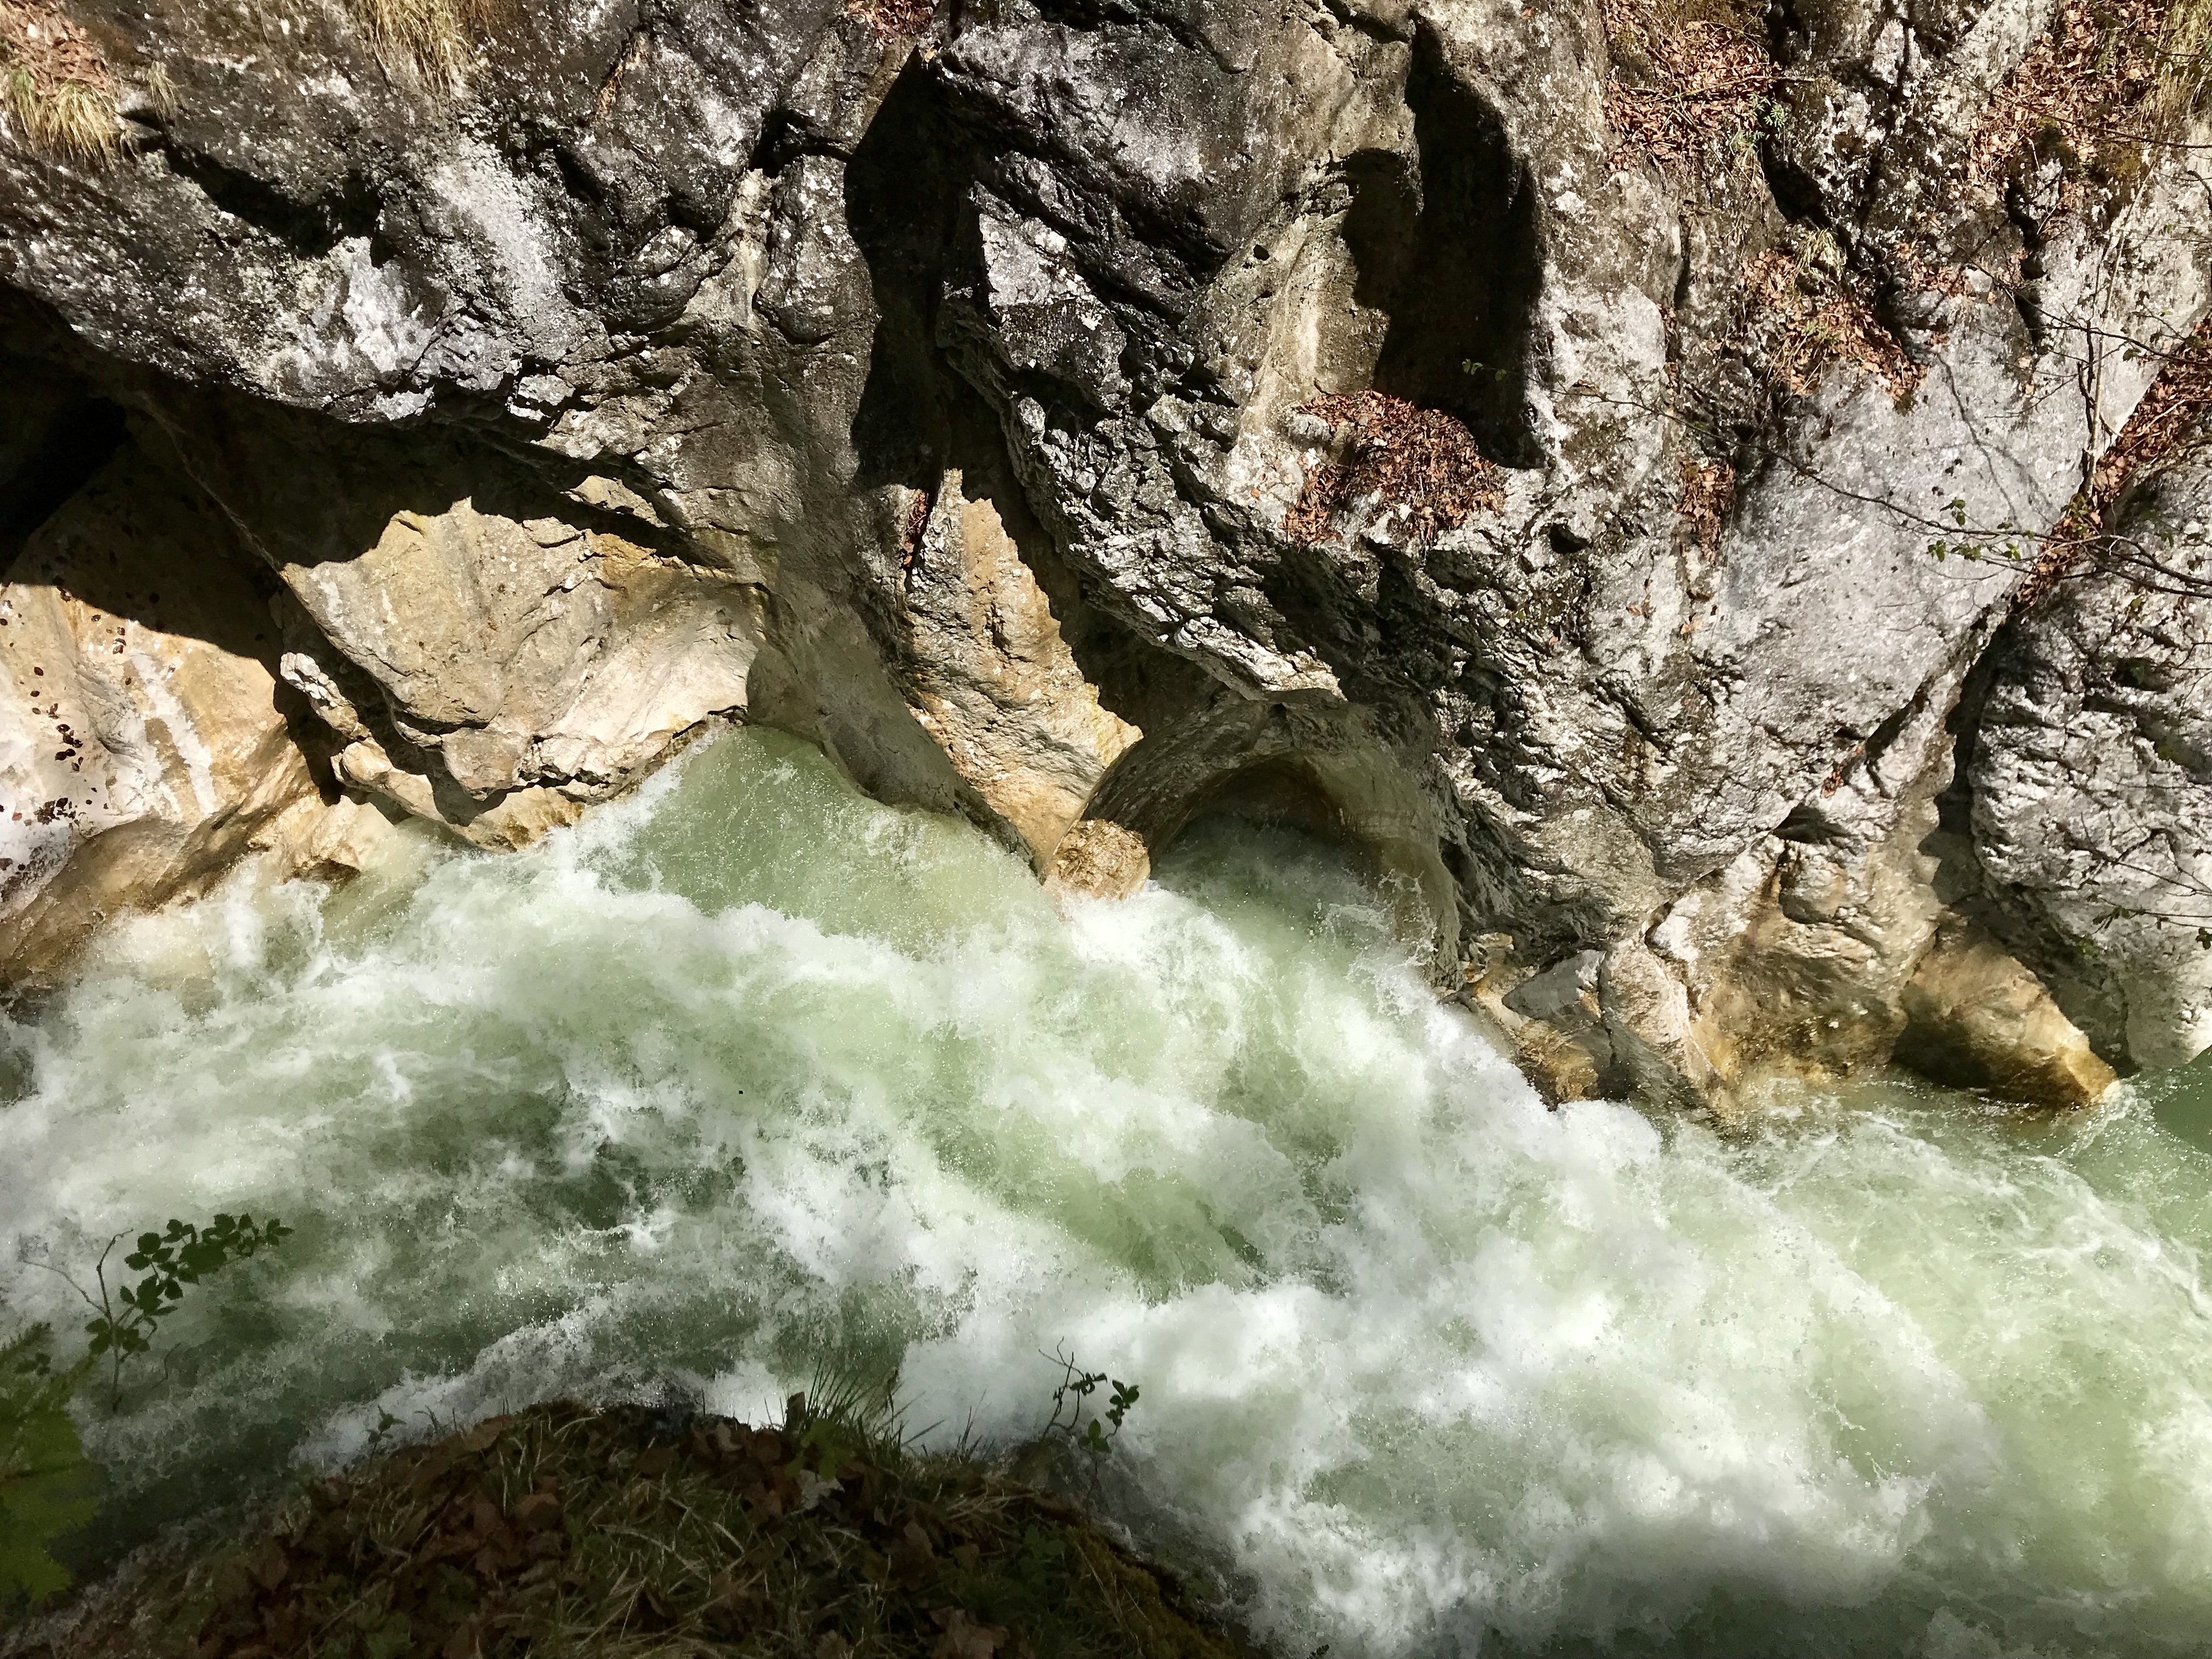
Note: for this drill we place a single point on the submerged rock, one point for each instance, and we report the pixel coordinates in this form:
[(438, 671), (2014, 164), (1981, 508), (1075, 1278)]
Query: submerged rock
[(1607, 513)]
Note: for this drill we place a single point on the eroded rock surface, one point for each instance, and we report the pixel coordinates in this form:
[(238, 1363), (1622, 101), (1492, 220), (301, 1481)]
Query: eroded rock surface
[(991, 677), (973, 402), (1978, 1018), (144, 742), (2091, 770)]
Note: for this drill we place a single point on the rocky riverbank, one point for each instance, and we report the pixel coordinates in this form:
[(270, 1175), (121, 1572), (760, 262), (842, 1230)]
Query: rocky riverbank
[(1664, 482), (563, 1530)]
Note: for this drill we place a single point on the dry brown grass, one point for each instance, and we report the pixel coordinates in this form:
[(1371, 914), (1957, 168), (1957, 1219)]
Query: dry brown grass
[(2083, 95), (436, 38), (2185, 72), (1813, 321), (56, 87), (1420, 462), (1685, 89), (569, 1533), (892, 20)]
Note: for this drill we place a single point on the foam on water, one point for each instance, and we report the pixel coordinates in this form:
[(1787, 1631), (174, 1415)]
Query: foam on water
[(749, 1070)]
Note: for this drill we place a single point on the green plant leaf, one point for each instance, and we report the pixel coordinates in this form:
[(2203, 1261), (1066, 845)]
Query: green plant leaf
[(48, 1488)]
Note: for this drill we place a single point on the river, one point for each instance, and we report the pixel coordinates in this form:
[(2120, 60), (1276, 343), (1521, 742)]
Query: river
[(748, 1072)]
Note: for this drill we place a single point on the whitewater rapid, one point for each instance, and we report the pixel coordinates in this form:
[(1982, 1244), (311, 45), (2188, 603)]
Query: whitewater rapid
[(749, 1071)]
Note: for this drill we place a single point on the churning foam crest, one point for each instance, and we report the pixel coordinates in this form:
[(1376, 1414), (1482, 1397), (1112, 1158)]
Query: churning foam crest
[(749, 1070)]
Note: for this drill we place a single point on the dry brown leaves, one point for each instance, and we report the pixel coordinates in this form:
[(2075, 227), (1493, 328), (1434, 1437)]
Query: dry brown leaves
[(1678, 92), (2073, 93), (1914, 268), (892, 19), (1422, 462), (1708, 489), (2176, 402), (37, 37), (1821, 326), (912, 527)]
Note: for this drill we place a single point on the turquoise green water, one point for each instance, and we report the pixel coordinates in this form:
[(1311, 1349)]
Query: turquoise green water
[(749, 1069)]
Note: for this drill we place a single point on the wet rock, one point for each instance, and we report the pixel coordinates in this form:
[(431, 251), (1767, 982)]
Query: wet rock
[(1566, 985), (1975, 1018), (1099, 860)]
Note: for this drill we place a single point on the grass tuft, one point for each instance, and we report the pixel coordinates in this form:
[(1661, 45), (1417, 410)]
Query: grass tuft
[(72, 118), (2185, 61), (436, 38), (162, 93), (56, 87)]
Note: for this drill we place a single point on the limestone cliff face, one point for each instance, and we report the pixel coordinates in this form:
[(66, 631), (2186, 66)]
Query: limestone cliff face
[(1588, 460), (2088, 786)]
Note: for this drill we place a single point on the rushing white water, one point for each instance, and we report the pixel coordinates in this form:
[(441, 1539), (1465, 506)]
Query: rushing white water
[(750, 1070)]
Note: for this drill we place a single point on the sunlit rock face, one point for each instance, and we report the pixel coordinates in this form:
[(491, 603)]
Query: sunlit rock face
[(975, 403), (2091, 775), (144, 738)]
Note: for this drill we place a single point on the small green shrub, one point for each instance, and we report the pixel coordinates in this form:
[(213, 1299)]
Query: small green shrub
[(1092, 1432), (126, 1318), (47, 1487)]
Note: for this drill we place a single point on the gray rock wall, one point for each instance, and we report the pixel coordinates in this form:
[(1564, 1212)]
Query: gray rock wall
[(969, 399), (2090, 770)]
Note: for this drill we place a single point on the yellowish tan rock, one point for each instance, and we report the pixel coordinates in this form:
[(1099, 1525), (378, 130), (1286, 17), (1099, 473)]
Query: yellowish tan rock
[(1977, 1019), (991, 680), (1099, 859), (142, 745), (493, 674), (327, 842)]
